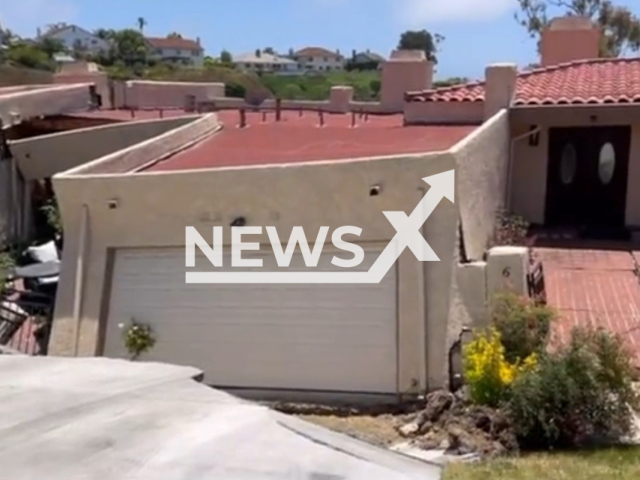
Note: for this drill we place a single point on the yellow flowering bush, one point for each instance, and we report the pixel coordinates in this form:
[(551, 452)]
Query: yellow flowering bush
[(486, 370)]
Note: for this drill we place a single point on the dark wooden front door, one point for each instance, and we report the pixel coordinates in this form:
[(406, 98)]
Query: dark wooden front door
[(587, 176)]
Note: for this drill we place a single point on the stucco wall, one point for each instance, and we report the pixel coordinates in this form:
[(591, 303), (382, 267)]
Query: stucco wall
[(44, 156), (529, 163), (482, 161), (401, 75), (52, 100), (149, 94), (418, 113), (99, 79), (310, 195)]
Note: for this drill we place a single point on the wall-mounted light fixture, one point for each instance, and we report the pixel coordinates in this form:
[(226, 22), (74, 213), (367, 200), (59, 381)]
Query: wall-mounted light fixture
[(238, 222), (534, 137), (375, 190)]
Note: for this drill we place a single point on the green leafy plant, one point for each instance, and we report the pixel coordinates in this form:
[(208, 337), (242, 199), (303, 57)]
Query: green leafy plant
[(510, 229), (523, 324), (138, 339), (52, 214), (487, 371), (6, 266), (579, 395)]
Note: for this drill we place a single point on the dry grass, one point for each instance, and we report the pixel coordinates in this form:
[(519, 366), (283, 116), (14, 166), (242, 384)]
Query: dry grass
[(622, 463)]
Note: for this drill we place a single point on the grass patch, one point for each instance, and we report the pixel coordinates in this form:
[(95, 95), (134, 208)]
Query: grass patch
[(620, 463)]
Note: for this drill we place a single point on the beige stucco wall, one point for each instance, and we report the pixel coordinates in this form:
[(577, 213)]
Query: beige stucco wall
[(43, 156), (150, 94), (52, 100), (146, 216), (401, 75), (443, 112), (482, 160), (529, 164), (99, 79)]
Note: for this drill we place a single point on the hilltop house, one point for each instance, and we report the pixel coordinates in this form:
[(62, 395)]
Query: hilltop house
[(263, 62), (76, 38), (177, 50), (319, 59)]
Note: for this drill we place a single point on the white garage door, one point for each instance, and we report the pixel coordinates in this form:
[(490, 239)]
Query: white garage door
[(315, 337)]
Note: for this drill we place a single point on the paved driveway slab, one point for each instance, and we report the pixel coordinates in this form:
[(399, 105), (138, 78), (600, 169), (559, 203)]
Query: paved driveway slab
[(97, 418)]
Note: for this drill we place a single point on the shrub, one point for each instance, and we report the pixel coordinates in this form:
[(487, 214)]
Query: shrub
[(486, 370), (579, 395), (510, 229), (523, 324), (138, 339)]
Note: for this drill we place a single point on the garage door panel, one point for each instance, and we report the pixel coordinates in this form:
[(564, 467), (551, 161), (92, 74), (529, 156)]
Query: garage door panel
[(318, 337)]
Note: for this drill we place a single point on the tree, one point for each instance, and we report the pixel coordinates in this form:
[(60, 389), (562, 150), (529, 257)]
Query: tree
[(104, 33), (449, 82), (620, 27), (258, 52), (50, 46), (225, 57), (142, 22), (174, 35), (129, 46), (269, 50), (421, 40)]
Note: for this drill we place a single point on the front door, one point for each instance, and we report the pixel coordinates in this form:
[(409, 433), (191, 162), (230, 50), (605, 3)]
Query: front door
[(587, 176)]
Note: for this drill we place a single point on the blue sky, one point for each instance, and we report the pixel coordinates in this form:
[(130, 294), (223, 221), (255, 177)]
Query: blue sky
[(477, 32)]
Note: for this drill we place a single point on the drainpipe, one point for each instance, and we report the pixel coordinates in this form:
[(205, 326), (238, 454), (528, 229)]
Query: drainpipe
[(79, 283), (510, 162)]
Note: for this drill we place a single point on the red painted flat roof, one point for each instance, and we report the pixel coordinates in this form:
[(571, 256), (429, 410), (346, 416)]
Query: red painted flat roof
[(300, 138)]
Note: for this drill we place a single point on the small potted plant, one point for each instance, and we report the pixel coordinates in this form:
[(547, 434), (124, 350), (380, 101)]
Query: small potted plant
[(138, 338)]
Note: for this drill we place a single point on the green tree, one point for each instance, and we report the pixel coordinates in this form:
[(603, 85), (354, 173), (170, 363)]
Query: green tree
[(104, 33), (225, 57), (450, 82), (29, 56), (50, 46), (421, 40), (620, 27), (129, 46), (174, 35), (142, 22), (269, 50), (375, 86)]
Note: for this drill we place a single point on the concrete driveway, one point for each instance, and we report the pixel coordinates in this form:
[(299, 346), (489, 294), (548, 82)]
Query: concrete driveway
[(97, 418)]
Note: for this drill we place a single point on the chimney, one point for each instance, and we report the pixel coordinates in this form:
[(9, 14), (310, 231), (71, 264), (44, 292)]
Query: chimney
[(198, 40), (500, 85), (405, 71), (567, 39)]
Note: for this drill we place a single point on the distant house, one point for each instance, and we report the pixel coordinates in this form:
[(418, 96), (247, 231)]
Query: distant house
[(76, 38), (319, 59), (177, 49), (263, 62), (366, 60)]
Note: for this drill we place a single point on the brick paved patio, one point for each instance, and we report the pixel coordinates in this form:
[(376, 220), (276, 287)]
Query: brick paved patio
[(597, 287)]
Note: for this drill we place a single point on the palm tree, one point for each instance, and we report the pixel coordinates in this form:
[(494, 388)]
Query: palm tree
[(142, 23)]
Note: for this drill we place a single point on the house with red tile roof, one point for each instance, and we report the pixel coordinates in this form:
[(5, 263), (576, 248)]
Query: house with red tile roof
[(318, 59), (177, 49), (559, 145), (574, 128)]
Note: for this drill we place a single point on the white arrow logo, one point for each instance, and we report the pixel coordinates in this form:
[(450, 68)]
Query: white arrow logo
[(407, 236)]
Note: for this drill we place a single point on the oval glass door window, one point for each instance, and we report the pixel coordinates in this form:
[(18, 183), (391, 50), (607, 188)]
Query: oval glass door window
[(568, 164), (606, 163)]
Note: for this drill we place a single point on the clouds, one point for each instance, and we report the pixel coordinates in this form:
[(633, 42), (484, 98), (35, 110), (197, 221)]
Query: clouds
[(23, 17)]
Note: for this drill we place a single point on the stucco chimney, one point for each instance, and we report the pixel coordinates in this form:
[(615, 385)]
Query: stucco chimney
[(405, 71), (500, 86), (567, 39)]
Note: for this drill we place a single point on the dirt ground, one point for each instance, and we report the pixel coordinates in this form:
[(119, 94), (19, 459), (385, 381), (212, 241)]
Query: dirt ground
[(378, 430)]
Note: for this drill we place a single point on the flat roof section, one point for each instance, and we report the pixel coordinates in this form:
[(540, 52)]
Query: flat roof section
[(125, 115), (300, 139)]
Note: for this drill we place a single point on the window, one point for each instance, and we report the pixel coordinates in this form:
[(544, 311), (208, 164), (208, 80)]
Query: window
[(326, 59), (159, 51), (94, 42), (311, 59), (328, 68), (178, 51), (606, 163), (568, 164), (248, 65)]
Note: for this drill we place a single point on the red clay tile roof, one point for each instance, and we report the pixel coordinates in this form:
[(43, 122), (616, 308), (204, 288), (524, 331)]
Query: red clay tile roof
[(175, 43), (583, 82), (299, 139), (315, 52)]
